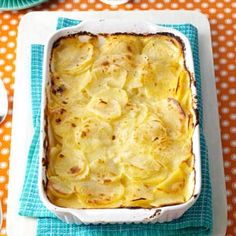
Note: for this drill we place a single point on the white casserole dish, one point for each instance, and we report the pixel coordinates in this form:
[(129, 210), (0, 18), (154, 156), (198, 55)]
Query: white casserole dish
[(119, 215)]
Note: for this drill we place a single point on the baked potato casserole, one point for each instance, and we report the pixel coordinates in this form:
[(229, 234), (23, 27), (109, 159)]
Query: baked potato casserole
[(119, 122)]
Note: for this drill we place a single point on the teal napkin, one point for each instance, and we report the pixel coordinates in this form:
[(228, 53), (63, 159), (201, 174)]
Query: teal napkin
[(196, 221)]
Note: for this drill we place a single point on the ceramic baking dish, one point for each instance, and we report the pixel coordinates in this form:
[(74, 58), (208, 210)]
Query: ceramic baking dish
[(118, 215)]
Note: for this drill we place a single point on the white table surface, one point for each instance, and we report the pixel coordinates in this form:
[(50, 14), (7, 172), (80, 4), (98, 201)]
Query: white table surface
[(22, 129)]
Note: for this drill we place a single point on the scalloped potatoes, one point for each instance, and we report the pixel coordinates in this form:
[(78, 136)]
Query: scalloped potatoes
[(120, 122)]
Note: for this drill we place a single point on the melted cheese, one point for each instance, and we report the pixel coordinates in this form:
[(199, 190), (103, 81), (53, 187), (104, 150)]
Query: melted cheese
[(121, 123)]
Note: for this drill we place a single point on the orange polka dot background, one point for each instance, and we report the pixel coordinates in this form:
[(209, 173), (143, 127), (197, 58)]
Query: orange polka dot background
[(222, 17)]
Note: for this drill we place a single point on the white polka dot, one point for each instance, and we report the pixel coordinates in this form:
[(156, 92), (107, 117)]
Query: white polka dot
[(6, 80), (232, 79), (214, 44), (68, 6), (6, 137), (3, 50), (3, 39), (6, 16), (225, 136), (230, 55), (228, 192), (233, 4), (221, 38), (229, 223), (229, 32), (232, 91), (129, 5), (5, 27), (9, 56), (219, 4), (233, 157), (8, 68), (233, 129), (228, 21), (1, 193), (12, 33), (224, 73), (227, 10), (223, 61), (8, 124), (215, 55), (98, 6), (225, 123), (225, 151), (224, 85), (220, 15), (233, 143), (174, 5), (2, 179), (225, 97), (214, 32), (205, 5), (4, 151), (231, 67), (222, 49), (229, 43), (220, 26), (234, 171), (11, 45), (159, 5), (144, 5), (13, 22), (227, 178), (151, 1), (189, 5), (213, 21), (232, 103), (166, 1), (76, 1), (83, 5), (224, 110), (3, 165), (2, 62), (227, 164), (212, 10)]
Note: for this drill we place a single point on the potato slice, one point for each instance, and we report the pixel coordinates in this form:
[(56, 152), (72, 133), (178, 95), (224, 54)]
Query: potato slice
[(168, 109), (138, 194), (97, 195), (161, 48), (72, 56), (59, 187), (151, 131), (111, 76), (104, 171), (143, 166), (93, 134), (108, 104), (122, 45), (71, 164)]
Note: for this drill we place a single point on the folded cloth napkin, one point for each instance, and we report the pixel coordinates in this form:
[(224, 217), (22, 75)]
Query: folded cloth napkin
[(196, 221)]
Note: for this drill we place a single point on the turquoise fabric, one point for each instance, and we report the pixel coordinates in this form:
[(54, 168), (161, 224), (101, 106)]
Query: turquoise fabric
[(196, 221)]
